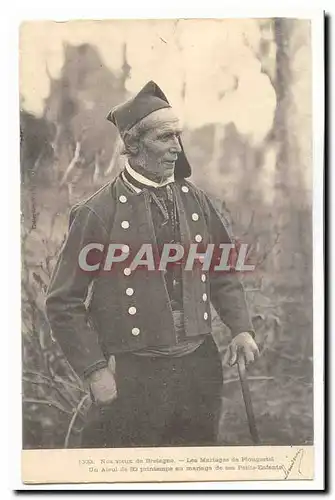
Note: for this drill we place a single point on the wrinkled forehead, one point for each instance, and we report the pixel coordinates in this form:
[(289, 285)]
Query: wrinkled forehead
[(165, 117)]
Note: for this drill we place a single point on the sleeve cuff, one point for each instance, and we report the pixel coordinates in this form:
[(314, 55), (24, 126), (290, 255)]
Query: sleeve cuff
[(96, 366), (251, 332)]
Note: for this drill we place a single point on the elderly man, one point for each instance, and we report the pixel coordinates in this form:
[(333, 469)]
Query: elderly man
[(142, 338)]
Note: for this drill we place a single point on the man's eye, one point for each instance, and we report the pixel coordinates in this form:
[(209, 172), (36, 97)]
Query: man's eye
[(170, 136)]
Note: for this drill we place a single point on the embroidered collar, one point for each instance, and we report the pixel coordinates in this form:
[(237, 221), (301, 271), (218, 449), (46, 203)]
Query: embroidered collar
[(139, 181)]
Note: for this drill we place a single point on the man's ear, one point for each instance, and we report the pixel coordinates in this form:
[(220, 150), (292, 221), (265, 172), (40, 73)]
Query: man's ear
[(131, 144), (133, 149)]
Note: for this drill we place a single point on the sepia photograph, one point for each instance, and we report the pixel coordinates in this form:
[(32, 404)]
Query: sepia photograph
[(167, 240)]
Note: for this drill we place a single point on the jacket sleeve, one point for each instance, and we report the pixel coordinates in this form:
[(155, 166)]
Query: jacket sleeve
[(226, 291), (67, 292)]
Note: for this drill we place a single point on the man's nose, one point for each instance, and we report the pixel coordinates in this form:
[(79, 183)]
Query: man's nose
[(176, 147)]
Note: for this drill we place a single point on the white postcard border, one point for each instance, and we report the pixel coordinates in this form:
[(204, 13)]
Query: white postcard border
[(12, 325)]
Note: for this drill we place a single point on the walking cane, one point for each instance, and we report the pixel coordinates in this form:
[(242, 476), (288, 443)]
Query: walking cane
[(247, 399)]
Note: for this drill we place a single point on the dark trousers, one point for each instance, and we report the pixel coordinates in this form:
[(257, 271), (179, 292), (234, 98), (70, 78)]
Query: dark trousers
[(161, 402)]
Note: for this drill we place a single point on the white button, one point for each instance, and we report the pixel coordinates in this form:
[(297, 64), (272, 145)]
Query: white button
[(125, 224), (204, 297), (125, 248), (135, 331), (195, 216), (205, 316), (126, 271), (130, 291), (184, 189), (203, 278), (198, 238), (132, 310), (123, 198)]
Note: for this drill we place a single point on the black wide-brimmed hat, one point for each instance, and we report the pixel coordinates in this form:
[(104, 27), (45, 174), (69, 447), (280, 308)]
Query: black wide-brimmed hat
[(149, 99)]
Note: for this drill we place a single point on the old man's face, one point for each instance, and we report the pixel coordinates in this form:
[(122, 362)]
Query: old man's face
[(158, 145)]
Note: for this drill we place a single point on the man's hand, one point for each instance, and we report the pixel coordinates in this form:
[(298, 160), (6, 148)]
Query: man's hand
[(242, 345), (103, 386)]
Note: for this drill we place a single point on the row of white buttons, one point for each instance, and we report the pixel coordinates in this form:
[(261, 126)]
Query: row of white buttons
[(198, 237), (204, 295), (125, 225), (195, 216), (125, 249), (132, 310)]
